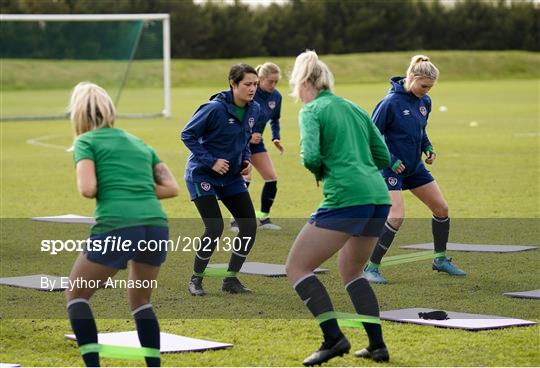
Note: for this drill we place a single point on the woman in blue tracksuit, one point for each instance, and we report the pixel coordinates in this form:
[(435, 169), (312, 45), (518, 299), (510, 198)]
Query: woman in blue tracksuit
[(269, 100), (217, 136), (402, 118)]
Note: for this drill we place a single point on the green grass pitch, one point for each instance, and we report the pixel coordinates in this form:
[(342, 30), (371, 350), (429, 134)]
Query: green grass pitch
[(489, 174)]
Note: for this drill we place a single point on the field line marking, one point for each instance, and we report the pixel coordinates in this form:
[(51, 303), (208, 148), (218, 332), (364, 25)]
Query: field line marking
[(38, 142)]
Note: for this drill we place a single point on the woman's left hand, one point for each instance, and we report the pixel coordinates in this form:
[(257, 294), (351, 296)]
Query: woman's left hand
[(431, 156), (246, 168), (278, 145), (256, 138)]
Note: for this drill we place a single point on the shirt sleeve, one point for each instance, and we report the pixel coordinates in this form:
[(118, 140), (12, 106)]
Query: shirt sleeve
[(274, 122), (155, 158), (382, 117), (246, 154), (378, 148), (194, 130), (310, 145), (426, 144), (82, 149)]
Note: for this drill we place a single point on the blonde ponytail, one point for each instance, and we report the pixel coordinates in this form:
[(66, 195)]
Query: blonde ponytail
[(419, 68), (308, 68), (90, 108)]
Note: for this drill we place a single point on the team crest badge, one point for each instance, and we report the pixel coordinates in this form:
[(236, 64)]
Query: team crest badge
[(206, 186), (423, 110), (251, 122), (392, 181), (272, 104)]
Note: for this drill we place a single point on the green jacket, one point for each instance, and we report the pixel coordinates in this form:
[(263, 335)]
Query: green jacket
[(342, 147)]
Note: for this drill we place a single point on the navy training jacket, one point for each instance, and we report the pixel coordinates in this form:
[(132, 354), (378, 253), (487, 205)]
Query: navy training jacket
[(402, 118), (270, 103), (215, 131)]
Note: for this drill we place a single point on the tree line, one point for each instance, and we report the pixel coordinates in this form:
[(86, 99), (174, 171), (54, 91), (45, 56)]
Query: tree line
[(217, 30)]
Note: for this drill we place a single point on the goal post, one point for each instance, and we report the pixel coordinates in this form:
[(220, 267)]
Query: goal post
[(43, 56)]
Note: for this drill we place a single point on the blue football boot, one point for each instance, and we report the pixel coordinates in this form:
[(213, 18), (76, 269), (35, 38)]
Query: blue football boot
[(445, 265), (372, 274)]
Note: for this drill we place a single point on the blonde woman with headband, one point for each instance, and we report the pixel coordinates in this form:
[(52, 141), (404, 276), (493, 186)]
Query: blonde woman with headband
[(402, 118), (127, 179), (269, 100), (342, 148)]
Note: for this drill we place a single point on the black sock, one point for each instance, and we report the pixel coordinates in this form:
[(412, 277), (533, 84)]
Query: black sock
[(84, 327), (314, 295), (199, 264), (242, 244), (440, 226), (148, 331), (366, 304), (385, 240), (268, 195)]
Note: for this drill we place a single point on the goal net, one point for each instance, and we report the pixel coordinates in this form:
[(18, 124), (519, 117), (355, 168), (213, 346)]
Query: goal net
[(44, 56)]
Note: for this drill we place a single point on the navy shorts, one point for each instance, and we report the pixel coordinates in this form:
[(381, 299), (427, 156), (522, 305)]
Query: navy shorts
[(257, 148), (398, 182), (140, 250), (366, 220), (201, 189)]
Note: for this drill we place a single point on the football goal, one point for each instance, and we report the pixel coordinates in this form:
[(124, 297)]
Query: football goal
[(43, 56)]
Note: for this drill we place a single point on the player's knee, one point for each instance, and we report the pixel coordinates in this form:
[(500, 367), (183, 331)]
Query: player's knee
[(76, 293), (214, 228), (441, 210), (293, 273), (136, 300), (397, 221), (247, 226)]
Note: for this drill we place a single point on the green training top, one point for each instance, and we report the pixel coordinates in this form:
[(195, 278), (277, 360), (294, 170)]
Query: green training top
[(124, 170), (342, 147), (240, 111)]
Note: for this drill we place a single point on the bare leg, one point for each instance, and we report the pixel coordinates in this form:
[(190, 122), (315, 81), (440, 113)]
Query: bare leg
[(263, 164), (143, 313), (79, 311), (353, 256), (83, 269), (311, 248), (433, 198)]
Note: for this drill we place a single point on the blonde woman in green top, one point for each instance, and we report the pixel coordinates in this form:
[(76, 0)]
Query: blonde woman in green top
[(126, 178), (342, 148)]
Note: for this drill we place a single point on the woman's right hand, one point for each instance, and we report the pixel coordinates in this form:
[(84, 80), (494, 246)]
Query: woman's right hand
[(221, 166)]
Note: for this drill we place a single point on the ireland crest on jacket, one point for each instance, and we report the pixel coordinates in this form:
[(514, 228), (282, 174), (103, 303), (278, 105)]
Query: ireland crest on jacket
[(423, 110), (272, 104)]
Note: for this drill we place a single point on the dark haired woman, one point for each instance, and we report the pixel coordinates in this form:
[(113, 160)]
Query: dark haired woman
[(218, 136)]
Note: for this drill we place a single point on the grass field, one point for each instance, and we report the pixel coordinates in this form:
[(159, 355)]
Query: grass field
[(488, 173)]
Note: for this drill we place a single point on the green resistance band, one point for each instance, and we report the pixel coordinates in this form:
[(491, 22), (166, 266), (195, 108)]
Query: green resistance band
[(119, 352), (411, 257), (216, 272), (348, 319)]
